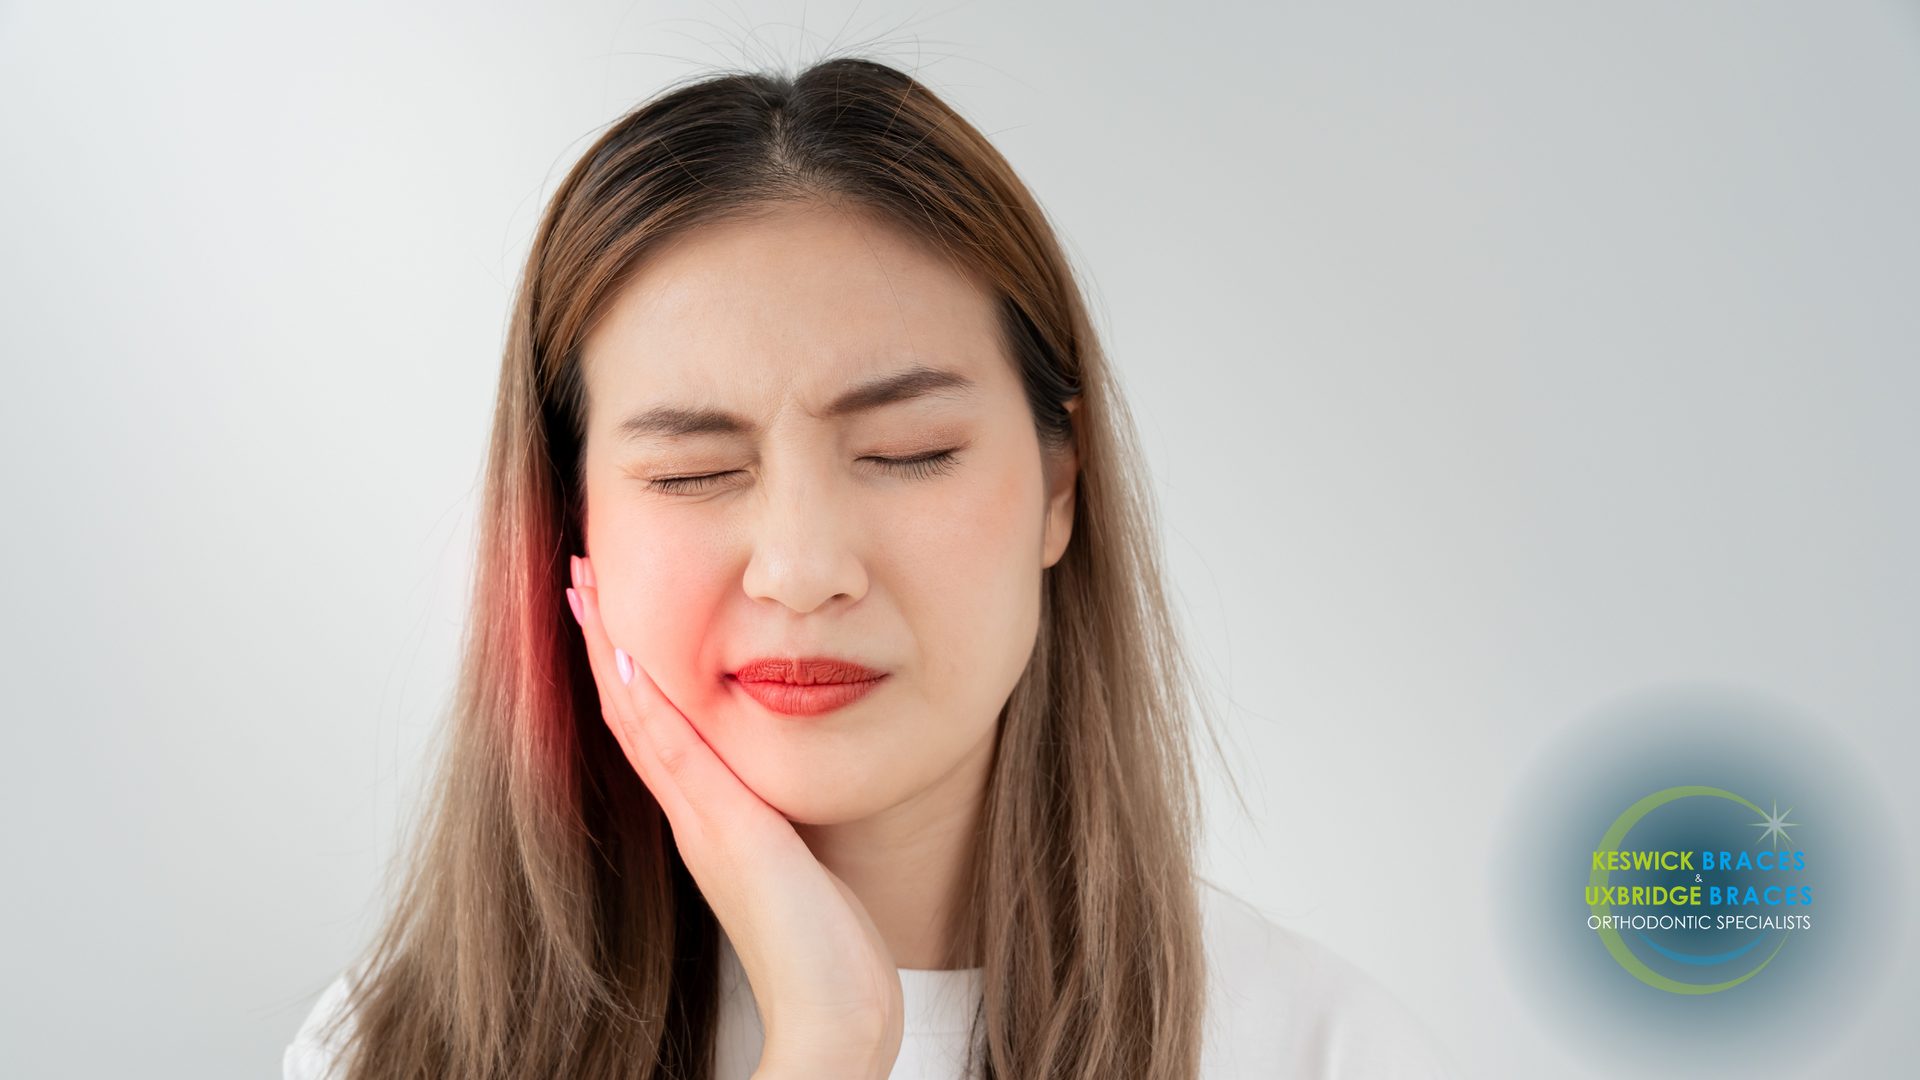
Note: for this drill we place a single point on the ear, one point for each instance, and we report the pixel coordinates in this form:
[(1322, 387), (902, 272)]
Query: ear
[(1063, 476)]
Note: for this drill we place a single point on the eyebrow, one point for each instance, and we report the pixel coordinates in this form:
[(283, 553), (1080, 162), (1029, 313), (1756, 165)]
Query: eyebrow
[(670, 422), (906, 385)]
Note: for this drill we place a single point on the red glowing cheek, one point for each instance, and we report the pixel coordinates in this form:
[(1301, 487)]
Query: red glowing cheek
[(664, 587)]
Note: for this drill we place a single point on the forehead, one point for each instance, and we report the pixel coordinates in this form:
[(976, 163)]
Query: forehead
[(791, 304)]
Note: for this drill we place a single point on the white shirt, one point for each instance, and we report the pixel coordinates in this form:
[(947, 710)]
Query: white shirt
[(1280, 1007)]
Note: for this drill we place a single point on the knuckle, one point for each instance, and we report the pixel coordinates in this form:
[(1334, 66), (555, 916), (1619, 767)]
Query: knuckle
[(674, 759)]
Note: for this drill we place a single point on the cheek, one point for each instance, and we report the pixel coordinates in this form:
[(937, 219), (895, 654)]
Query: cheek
[(663, 580), (968, 581)]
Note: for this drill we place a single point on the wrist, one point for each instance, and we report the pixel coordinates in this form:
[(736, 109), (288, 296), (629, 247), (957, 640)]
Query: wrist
[(846, 1052)]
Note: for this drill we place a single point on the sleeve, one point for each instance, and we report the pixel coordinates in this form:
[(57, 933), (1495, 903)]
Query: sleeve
[(1284, 1007), (316, 1049)]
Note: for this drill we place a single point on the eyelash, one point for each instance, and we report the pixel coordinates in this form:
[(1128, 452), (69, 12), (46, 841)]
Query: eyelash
[(917, 467), (686, 485)]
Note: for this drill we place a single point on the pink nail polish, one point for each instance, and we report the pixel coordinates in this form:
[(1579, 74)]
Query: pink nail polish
[(573, 601), (625, 663)]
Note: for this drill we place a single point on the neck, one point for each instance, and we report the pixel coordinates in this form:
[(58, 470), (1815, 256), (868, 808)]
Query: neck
[(910, 864)]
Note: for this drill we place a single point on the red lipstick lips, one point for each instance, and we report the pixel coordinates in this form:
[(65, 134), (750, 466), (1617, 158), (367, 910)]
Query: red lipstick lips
[(808, 686)]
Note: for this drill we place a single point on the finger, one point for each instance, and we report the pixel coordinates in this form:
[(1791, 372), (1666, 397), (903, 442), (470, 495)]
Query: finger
[(669, 747), (616, 705)]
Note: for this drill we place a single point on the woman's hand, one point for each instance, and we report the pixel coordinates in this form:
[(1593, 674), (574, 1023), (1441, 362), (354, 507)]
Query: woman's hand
[(827, 988)]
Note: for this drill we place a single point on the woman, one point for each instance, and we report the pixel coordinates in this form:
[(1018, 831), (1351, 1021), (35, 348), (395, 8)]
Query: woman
[(821, 714)]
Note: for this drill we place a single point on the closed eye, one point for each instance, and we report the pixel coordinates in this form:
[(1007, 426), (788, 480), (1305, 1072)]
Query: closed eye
[(689, 485), (918, 466)]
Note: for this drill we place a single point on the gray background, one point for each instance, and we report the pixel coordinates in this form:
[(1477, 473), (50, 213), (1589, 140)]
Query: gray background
[(1495, 361)]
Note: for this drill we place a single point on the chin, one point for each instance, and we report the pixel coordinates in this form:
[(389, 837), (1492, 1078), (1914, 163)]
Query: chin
[(811, 803), (818, 785)]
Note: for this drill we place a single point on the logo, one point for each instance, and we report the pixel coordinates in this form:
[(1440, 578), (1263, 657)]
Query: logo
[(1709, 916), (1682, 877)]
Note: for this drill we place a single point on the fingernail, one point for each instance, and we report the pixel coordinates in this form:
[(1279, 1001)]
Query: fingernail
[(625, 663), (573, 601), (586, 572)]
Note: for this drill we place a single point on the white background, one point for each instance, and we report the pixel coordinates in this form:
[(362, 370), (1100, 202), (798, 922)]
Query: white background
[(1494, 362)]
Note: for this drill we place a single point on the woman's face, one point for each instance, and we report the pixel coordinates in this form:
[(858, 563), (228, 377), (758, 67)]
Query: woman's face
[(817, 507)]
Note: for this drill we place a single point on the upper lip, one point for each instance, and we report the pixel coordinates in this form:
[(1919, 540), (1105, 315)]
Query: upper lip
[(805, 671)]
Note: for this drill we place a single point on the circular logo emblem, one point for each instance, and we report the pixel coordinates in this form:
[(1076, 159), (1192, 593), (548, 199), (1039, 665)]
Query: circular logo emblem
[(1717, 909), (1703, 871)]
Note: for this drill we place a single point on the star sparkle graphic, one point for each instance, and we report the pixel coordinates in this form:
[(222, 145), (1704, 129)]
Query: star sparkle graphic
[(1776, 826)]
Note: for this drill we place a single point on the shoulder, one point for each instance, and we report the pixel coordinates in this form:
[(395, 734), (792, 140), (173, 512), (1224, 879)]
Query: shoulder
[(315, 1051), (1284, 1007)]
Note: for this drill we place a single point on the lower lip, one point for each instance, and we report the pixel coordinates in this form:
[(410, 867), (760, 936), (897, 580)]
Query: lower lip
[(808, 698), (790, 699)]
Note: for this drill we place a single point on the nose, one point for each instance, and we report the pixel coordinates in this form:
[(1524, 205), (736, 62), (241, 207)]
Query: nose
[(800, 556)]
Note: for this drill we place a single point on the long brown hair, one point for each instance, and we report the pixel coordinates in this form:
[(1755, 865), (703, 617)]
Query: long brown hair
[(546, 926)]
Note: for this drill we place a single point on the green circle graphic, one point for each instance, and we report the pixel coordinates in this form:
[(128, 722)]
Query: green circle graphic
[(1610, 936)]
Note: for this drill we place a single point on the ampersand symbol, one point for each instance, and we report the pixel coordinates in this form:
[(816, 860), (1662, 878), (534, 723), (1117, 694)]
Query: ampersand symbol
[(1696, 877)]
